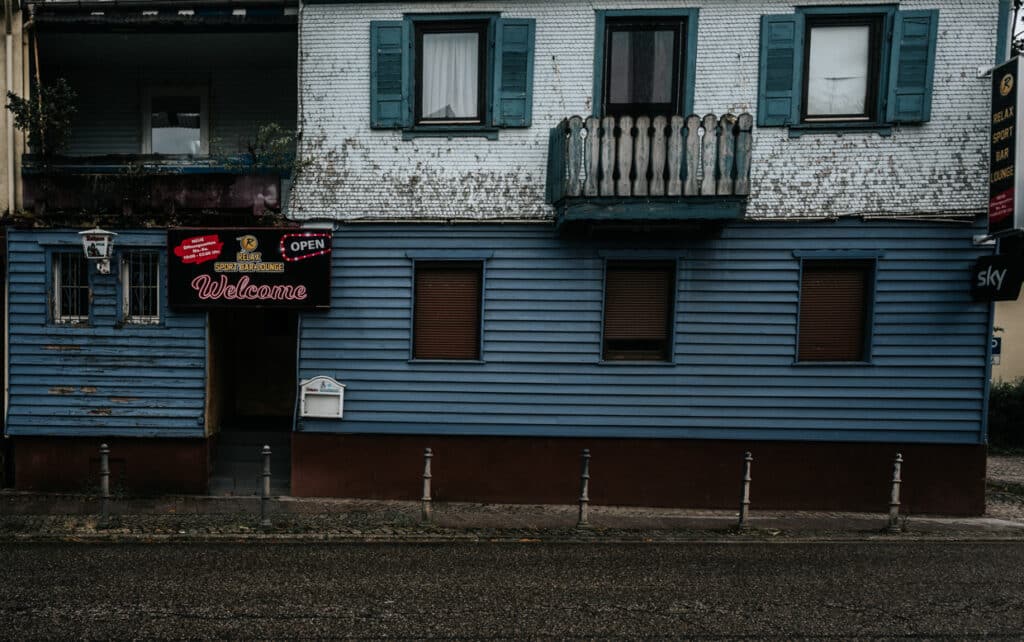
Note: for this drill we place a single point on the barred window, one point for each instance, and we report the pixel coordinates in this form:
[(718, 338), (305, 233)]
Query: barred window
[(140, 287), (70, 287)]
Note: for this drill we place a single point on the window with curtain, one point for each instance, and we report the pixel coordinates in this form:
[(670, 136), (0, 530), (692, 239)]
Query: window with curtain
[(643, 70), (450, 65), (70, 271), (841, 68), (446, 310), (834, 310), (638, 310)]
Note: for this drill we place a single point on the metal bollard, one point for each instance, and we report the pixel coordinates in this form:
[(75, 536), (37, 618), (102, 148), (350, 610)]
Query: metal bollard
[(584, 490), (748, 461), (265, 488), (104, 486), (427, 511), (894, 494)]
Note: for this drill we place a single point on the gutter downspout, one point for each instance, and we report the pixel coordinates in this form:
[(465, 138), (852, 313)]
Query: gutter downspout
[(1004, 31), (8, 81)]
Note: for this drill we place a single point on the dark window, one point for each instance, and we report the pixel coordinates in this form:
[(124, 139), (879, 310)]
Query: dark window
[(841, 68), (446, 315), (642, 67), (140, 283), (638, 306), (70, 287), (451, 78), (834, 310)]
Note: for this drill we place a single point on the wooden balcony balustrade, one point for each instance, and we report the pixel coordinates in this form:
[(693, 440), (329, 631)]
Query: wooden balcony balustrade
[(626, 158)]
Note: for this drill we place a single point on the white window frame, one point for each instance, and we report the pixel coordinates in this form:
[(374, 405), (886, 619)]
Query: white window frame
[(200, 91), (126, 290), (58, 316)]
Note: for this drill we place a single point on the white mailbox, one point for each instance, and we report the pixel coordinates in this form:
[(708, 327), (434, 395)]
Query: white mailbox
[(322, 397)]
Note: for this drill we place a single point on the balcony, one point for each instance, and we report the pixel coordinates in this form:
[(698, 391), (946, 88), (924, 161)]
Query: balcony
[(683, 173), (146, 185)]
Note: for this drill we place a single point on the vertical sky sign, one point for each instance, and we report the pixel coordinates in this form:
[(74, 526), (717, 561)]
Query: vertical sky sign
[(1004, 208)]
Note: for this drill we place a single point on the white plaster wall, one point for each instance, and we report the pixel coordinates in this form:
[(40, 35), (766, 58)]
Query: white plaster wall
[(939, 168)]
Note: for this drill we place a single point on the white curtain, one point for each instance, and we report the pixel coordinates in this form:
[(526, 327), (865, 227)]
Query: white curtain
[(450, 75), (837, 75)]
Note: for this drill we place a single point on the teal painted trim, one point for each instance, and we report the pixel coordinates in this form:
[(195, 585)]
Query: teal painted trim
[(453, 255), (988, 372), (689, 208), (450, 131), (838, 255), (780, 69), (691, 16), (882, 129), (452, 17), (888, 12), (1004, 33), (910, 95), (598, 98), (514, 48), (389, 56), (848, 10)]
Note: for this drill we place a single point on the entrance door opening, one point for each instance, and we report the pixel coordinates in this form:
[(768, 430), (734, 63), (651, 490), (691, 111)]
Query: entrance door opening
[(251, 389)]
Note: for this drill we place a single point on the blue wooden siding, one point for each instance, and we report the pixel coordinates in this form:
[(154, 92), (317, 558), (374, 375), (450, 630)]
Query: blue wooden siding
[(102, 379), (733, 373)]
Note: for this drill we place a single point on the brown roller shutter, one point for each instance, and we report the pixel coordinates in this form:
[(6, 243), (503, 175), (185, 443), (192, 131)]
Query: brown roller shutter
[(833, 311), (638, 309), (447, 310)]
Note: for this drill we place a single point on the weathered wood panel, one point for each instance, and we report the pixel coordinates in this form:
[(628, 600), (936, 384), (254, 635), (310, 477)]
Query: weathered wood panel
[(645, 157), (104, 378), (732, 373)]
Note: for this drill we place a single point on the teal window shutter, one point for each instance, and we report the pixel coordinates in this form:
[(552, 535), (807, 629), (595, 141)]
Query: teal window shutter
[(781, 70), (513, 73), (912, 66), (389, 75)]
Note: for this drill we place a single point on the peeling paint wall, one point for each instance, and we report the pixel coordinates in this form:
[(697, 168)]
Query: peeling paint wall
[(938, 168)]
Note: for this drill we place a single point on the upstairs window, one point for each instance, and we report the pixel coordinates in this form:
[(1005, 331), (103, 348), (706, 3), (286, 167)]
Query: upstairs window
[(140, 287), (846, 67), (451, 74), (644, 62), (643, 70), (638, 310), (834, 310), (70, 273), (841, 68), (447, 310), (175, 121)]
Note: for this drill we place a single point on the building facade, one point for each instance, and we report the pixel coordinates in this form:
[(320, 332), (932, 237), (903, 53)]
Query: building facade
[(666, 232)]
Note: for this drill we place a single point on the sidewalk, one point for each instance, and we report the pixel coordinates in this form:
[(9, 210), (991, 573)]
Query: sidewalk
[(48, 516)]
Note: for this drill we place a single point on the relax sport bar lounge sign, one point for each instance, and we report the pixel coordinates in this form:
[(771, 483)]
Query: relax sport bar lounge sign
[(254, 267)]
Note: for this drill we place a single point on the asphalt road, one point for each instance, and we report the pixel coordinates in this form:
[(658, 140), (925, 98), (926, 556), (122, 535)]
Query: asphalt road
[(538, 591)]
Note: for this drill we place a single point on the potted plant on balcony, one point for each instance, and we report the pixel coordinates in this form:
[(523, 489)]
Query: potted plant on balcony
[(45, 117)]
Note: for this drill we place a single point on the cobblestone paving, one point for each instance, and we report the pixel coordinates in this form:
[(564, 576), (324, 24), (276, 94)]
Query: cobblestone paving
[(346, 519)]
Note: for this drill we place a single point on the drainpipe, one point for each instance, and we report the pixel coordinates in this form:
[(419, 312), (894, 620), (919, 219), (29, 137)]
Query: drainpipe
[(8, 80)]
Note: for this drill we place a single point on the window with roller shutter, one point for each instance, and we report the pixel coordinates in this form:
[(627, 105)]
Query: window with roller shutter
[(834, 306), (446, 312), (638, 310)]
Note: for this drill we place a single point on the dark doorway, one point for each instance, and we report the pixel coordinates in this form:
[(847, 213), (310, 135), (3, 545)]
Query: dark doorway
[(251, 396)]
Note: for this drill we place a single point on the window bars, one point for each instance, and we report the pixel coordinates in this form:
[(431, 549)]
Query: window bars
[(140, 286)]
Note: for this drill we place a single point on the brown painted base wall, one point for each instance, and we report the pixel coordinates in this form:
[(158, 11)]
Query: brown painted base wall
[(943, 479), (137, 466)]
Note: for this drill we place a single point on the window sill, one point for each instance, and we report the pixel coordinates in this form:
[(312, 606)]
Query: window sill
[(832, 364), (450, 131), (433, 361), (796, 131)]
